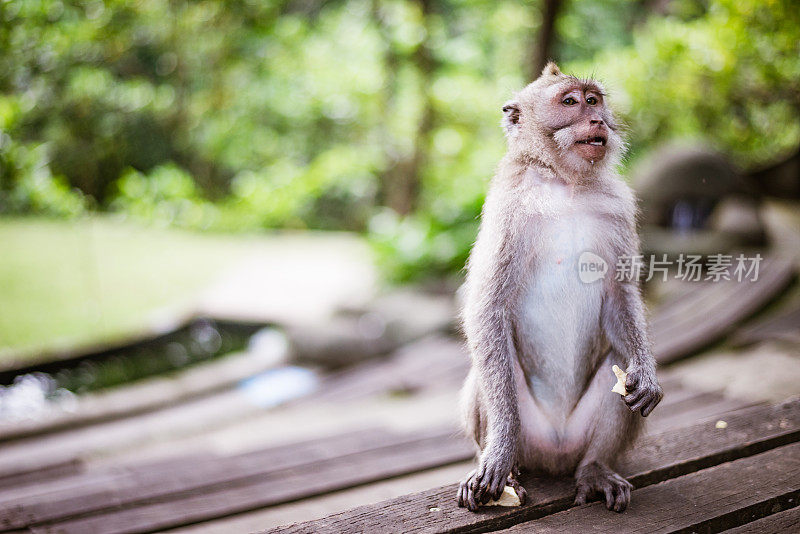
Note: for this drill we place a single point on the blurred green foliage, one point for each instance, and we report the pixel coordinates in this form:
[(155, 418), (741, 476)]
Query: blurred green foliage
[(243, 114), (730, 77)]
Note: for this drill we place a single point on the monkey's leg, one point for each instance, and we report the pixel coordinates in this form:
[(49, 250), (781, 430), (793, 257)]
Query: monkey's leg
[(482, 484), (609, 427)]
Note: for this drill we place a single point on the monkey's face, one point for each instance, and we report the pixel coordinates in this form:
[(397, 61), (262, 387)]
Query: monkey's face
[(565, 115), (576, 115)]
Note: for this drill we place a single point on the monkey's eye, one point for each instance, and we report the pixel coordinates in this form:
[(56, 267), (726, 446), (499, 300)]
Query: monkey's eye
[(569, 101), (591, 100)]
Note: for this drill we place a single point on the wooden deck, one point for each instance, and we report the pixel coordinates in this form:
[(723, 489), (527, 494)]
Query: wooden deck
[(352, 454), (696, 478)]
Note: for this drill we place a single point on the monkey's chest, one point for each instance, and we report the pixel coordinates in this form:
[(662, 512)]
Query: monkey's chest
[(558, 322)]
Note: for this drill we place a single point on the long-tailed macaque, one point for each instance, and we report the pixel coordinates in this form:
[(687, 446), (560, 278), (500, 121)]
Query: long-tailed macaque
[(542, 338)]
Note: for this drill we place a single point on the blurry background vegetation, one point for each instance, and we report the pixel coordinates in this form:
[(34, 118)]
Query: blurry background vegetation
[(379, 116)]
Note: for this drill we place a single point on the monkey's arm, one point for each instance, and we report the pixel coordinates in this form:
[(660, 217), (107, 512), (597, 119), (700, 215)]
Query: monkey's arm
[(495, 268), (626, 329)]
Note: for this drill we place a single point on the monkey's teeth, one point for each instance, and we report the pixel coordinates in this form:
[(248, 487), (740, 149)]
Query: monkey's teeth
[(596, 143)]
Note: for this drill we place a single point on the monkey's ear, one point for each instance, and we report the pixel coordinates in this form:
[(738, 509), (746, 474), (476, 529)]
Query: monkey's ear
[(551, 69), (510, 120)]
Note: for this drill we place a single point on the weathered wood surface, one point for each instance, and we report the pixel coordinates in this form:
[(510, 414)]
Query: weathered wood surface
[(697, 320), (657, 458), (784, 522), (17, 474), (694, 411), (175, 478), (141, 397), (279, 486), (434, 360), (176, 492), (783, 326), (187, 472), (179, 493), (108, 437), (709, 500)]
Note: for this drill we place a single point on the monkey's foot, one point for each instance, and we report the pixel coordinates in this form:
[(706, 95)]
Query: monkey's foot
[(596, 479), (468, 496)]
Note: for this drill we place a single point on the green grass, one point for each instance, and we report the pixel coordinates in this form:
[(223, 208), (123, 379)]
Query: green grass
[(67, 283)]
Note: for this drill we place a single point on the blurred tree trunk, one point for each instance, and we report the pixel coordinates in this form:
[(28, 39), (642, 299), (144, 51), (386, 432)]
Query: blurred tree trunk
[(391, 64), (406, 197), (401, 180), (645, 8), (543, 51)]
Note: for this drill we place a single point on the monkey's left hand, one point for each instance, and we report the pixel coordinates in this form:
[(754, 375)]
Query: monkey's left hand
[(644, 393)]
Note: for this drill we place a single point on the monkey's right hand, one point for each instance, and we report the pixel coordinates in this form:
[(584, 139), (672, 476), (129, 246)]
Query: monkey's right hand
[(486, 482), (644, 392)]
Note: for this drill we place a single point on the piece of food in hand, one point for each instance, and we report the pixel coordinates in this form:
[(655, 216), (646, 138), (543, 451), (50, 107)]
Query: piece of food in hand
[(508, 498), (619, 387)]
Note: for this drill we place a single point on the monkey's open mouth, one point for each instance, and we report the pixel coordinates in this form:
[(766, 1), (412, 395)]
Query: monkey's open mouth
[(596, 141)]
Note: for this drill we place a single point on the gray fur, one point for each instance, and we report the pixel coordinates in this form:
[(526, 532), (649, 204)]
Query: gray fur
[(538, 395)]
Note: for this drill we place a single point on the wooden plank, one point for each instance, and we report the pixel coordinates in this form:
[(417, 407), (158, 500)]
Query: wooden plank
[(709, 500), (777, 523), (185, 418), (724, 301), (323, 447), (149, 482), (276, 487), (77, 483), (414, 370), (331, 503), (409, 369), (687, 401), (142, 396), (704, 295), (667, 419), (712, 318), (783, 326), (656, 458), (677, 396), (17, 474), (219, 472), (674, 309)]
